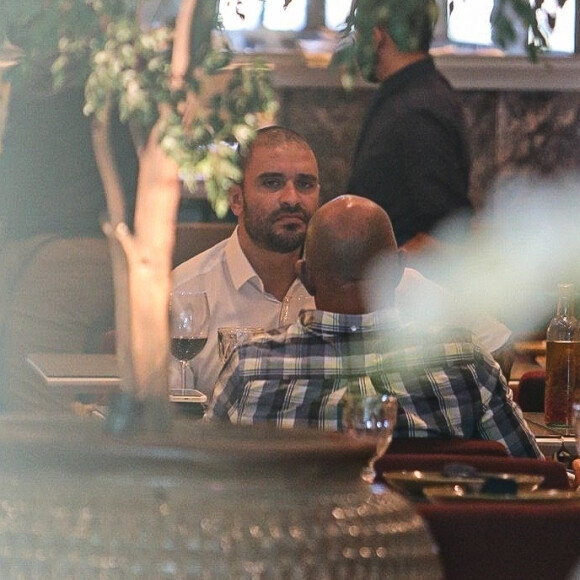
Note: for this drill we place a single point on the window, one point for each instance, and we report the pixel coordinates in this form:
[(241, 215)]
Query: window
[(268, 26), (272, 15), (468, 23)]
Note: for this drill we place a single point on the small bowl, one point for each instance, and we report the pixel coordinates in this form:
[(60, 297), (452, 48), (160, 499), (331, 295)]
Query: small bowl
[(526, 482), (412, 483)]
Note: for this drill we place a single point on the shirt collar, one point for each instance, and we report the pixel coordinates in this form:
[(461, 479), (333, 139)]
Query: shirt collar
[(239, 266), (401, 78), (242, 272), (322, 322)]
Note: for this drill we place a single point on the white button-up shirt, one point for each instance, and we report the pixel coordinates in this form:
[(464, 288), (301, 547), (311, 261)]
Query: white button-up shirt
[(236, 297)]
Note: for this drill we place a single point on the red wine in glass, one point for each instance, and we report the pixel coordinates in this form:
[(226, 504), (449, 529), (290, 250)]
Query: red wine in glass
[(189, 331), (187, 348)]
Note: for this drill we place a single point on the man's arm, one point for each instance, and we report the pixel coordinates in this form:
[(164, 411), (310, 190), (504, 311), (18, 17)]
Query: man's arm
[(425, 253), (502, 419), (505, 357), (226, 391)]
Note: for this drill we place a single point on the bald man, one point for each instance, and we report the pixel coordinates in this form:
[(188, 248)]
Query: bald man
[(445, 383)]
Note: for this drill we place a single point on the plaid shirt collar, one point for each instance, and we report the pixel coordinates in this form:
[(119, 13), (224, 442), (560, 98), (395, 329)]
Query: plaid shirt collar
[(328, 324), (329, 344), (319, 344)]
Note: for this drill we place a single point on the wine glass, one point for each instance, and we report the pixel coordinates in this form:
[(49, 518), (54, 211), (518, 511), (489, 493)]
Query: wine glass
[(374, 416), (189, 321)]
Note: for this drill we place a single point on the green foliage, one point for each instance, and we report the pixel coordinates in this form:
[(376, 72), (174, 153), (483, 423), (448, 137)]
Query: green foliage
[(37, 25), (205, 20), (100, 43), (18, 14), (503, 30), (405, 21), (204, 148)]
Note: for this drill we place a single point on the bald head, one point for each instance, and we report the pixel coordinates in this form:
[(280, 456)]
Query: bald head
[(345, 237)]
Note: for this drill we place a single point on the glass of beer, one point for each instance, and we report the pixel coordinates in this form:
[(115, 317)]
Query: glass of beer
[(231, 336)]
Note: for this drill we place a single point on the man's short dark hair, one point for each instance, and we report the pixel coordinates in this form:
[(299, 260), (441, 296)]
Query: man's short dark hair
[(270, 136)]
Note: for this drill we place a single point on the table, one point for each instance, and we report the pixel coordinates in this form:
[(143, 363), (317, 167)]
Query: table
[(550, 439), (519, 541), (95, 373)]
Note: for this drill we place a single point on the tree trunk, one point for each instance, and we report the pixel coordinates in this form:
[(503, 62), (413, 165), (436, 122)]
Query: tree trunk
[(141, 262)]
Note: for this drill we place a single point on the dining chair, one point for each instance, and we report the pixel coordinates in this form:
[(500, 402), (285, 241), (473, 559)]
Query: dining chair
[(530, 392), (192, 238), (450, 446), (504, 539), (555, 474)]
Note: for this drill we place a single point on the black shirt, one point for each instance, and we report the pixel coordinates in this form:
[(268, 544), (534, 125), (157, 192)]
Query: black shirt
[(412, 156)]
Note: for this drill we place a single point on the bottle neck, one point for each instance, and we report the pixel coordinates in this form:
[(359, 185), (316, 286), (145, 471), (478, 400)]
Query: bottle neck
[(564, 326), (565, 306)]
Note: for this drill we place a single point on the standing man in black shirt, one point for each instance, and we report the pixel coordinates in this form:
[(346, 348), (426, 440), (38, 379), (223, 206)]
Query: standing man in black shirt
[(412, 156)]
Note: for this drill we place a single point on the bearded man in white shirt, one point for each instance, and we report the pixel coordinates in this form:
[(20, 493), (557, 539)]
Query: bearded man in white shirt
[(250, 276)]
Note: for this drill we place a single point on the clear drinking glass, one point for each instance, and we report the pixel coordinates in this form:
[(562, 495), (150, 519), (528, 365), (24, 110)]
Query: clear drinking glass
[(371, 416), (231, 336), (189, 325), (292, 305)]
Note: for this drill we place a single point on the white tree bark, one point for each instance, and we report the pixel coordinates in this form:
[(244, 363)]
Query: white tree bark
[(141, 259), (141, 262)]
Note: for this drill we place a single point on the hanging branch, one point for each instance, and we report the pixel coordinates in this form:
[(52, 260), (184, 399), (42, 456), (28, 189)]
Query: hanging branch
[(114, 194)]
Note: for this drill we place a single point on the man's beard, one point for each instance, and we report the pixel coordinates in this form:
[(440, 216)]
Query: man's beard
[(284, 241)]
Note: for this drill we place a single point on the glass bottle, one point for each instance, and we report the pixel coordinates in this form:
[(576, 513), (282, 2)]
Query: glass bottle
[(562, 361)]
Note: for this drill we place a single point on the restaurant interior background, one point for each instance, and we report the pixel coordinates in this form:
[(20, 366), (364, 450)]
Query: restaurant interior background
[(522, 119)]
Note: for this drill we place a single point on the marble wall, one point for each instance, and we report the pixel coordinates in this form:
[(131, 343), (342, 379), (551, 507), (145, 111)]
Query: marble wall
[(512, 132), (330, 120)]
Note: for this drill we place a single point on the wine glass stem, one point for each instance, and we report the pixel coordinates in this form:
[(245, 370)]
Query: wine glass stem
[(184, 365)]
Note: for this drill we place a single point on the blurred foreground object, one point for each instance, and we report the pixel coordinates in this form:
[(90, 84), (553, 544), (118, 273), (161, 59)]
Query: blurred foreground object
[(78, 504)]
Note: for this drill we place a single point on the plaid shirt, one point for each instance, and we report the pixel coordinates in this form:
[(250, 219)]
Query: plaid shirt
[(446, 385)]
